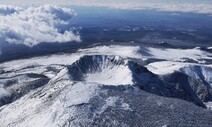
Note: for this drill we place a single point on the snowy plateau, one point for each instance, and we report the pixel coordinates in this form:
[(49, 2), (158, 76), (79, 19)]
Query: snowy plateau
[(114, 85)]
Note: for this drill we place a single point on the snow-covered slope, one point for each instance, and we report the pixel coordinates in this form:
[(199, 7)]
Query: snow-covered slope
[(196, 71), (108, 86), (195, 55), (87, 104)]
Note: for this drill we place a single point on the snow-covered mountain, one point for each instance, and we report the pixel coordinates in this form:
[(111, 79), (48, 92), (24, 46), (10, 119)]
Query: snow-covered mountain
[(108, 86)]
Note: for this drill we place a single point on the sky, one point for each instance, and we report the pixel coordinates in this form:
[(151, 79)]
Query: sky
[(84, 2), (195, 6)]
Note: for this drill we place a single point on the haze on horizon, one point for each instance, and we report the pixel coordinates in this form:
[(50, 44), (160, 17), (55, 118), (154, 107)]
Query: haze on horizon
[(97, 2), (194, 6)]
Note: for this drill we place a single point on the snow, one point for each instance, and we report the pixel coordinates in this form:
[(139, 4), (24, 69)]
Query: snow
[(79, 93), (49, 113), (195, 71), (126, 106), (179, 54), (63, 74), (18, 110), (63, 59), (208, 105), (165, 126), (4, 93), (168, 54), (68, 59), (118, 75), (165, 67), (111, 101), (209, 48), (102, 69), (199, 73), (123, 51), (18, 79), (59, 100)]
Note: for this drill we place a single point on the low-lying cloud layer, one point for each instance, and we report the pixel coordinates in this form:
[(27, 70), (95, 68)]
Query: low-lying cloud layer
[(33, 25), (194, 6)]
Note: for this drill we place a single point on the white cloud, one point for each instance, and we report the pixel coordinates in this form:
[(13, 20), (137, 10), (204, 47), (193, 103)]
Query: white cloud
[(33, 25), (7, 10), (195, 6)]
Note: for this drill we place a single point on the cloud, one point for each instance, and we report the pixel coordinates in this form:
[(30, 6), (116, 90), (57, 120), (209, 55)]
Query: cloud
[(7, 10), (33, 25), (194, 6)]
